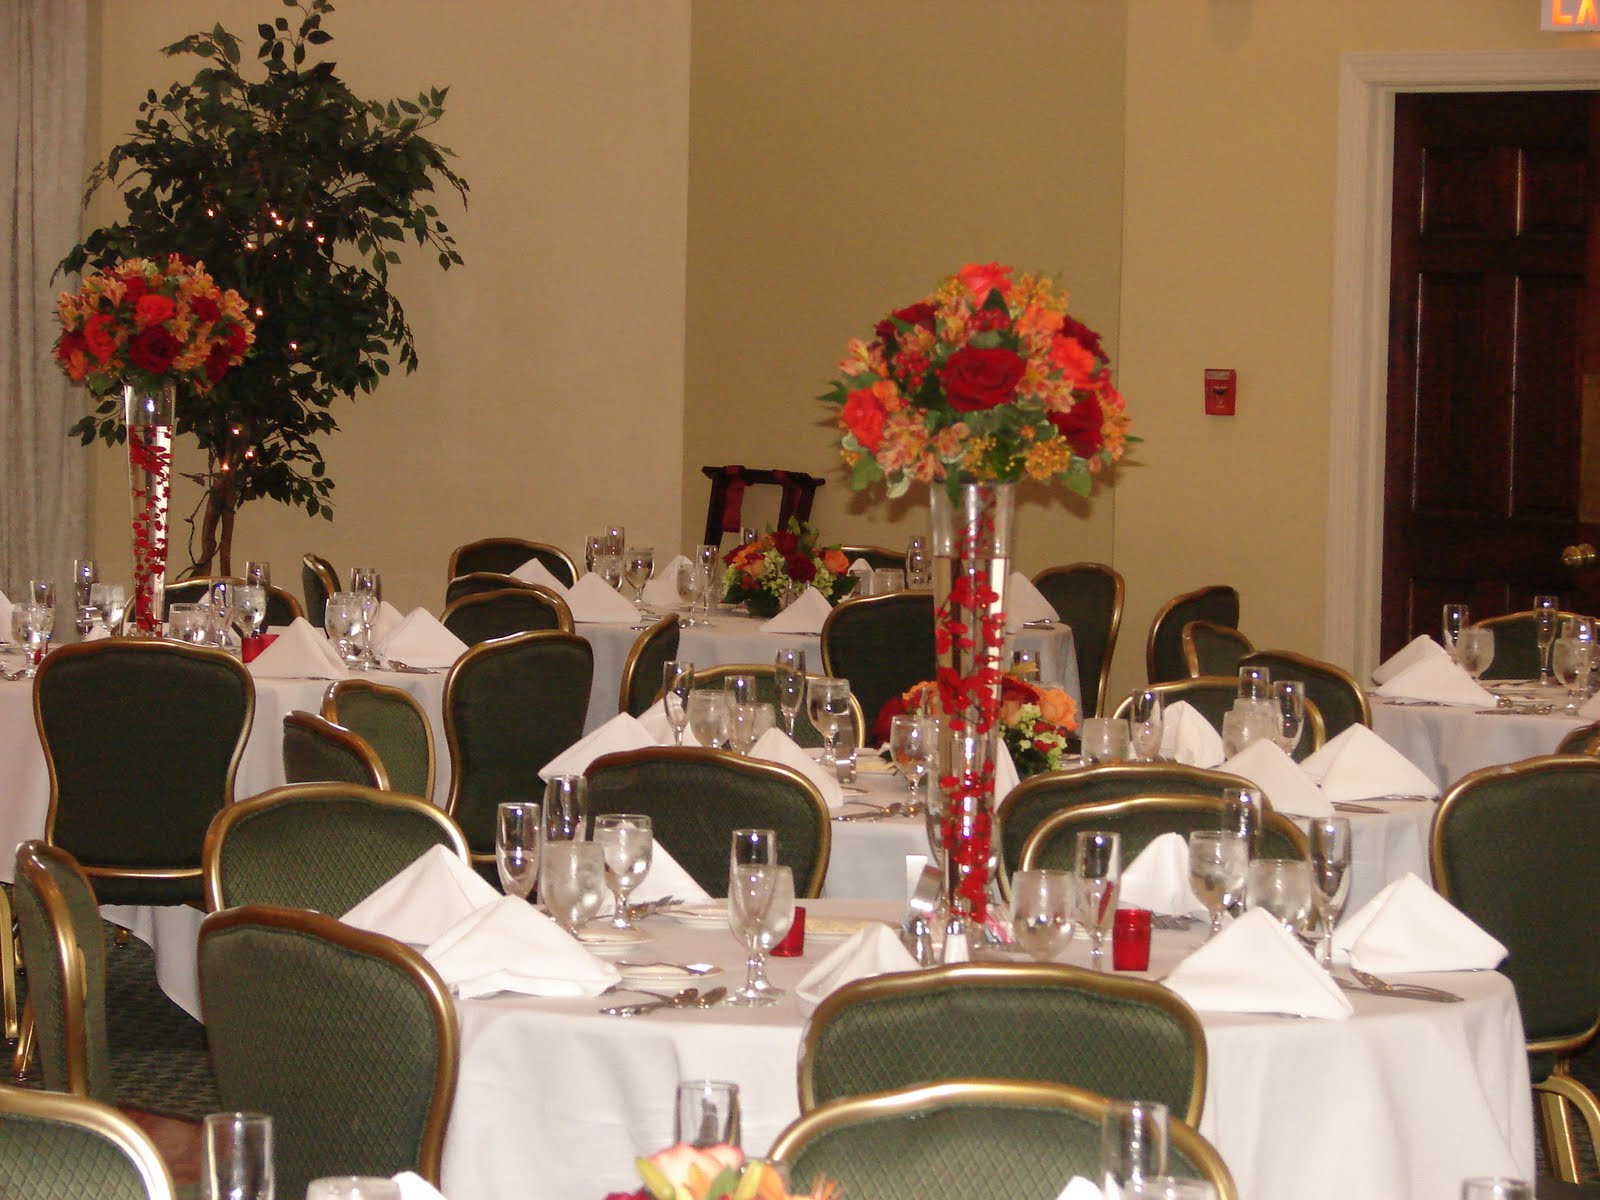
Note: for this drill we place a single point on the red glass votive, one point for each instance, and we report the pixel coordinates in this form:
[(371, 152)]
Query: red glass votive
[(794, 942), (252, 646), (1130, 939)]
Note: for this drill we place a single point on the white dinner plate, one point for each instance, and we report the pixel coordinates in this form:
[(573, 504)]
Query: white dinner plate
[(601, 938), (700, 915), (665, 973)]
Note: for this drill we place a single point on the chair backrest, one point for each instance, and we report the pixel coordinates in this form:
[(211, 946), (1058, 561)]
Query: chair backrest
[(878, 557), (1338, 697), (1585, 739), (319, 846), (766, 675), (191, 591), (318, 580), (1088, 597), (1513, 848), (393, 724), (725, 505), (141, 739), (346, 1038), (1516, 644), (1212, 696), (474, 583), (696, 798), (1125, 1038), (510, 706), (881, 644), (970, 1137), (641, 673), (484, 616), (503, 555), (315, 750), (283, 606), (1163, 651), (63, 944), (1212, 649), (60, 1147)]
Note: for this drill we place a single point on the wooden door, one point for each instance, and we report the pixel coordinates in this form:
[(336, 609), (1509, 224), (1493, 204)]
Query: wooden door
[(1494, 299)]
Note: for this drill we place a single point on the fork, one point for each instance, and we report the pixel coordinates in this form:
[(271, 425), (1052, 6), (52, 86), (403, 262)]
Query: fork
[(1401, 991)]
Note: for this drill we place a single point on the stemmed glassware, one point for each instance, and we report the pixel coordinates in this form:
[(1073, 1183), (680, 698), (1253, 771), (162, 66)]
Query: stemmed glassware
[(752, 883), (789, 676), (258, 572), (1570, 660), (638, 564), (919, 565), (828, 706), (572, 880), (189, 623), (1043, 915), (1289, 705), (593, 548), (517, 847), (1144, 725), (112, 600), (708, 716), (566, 809), (1103, 739), (708, 577), (1281, 886), (252, 601), (84, 578), (1133, 1143), (690, 582), (627, 842), (1218, 860), (1097, 867), (1255, 683), (345, 620), (740, 689), (1244, 812), (1475, 650), (1546, 613), (740, 723), (368, 584), (677, 681), (1456, 618), (913, 740), (31, 626), (1330, 877), (223, 598)]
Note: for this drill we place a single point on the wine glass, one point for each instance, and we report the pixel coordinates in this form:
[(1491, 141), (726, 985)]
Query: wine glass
[(1144, 724), (1042, 913), (677, 681), (593, 548), (1255, 683), (748, 847), (739, 723), (740, 689), (1570, 662), (368, 584), (1475, 649), (84, 578), (252, 601), (615, 540), (1244, 812), (572, 879), (789, 676), (517, 838), (912, 739), (1330, 877), (1289, 700), (710, 578), (1097, 867), (638, 564), (690, 583), (1218, 860), (1281, 886), (223, 597), (627, 841), (919, 566), (566, 808), (1546, 612), (258, 571), (828, 706), (707, 716), (236, 1157), (775, 926), (1456, 618), (750, 891), (112, 600), (1133, 1143), (345, 620)]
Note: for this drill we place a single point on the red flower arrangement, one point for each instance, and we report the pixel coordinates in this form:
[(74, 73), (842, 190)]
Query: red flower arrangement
[(761, 572), (721, 1172), (1034, 720)]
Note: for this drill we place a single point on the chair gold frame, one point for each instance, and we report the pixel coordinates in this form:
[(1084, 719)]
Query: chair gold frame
[(1114, 630), (983, 977), (69, 962), (100, 1120), (646, 639), (1090, 816), (373, 945), (477, 599), (534, 549), (474, 582), (326, 573), (344, 687), (348, 740), (721, 671), (1314, 667), (910, 1102), (194, 590), (1191, 651), (243, 810), (1585, 739), (1219, 590)]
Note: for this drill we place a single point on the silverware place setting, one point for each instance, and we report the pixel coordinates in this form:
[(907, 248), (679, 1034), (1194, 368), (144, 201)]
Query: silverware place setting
[(1365, 981), (688, 998)]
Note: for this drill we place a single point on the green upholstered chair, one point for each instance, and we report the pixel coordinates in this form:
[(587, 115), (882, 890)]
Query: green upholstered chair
[(881, 644), (1513, 847), (1125, 1038), (1163, 651), (503, 555), (1213, 695), (142, 739), (475, 583), (1516, 644), (63, 944), (695, 798), (320, 846), (805, 733), (1088, 597), (969, 1137), (1212, 649), (318, 581), (60, 1147), (1335, 692), (315, 750), (346, 1038), (641, 673), (393, 724), (879, 557), (483, 616), (510, 706), (1585, 739)]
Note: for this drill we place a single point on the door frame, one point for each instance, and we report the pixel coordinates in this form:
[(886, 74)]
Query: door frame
[(1358, 389)]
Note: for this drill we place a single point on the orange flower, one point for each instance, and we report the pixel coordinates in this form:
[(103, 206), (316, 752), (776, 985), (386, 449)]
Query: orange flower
[(835, 561), (980, 280), (1057, 707)]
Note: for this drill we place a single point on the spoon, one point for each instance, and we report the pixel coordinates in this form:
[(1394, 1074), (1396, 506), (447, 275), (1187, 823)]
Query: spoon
[(681, 1000), (712, 998)]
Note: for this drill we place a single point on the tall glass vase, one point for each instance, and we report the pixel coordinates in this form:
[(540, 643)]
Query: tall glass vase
[(972, 562), (149, 414)]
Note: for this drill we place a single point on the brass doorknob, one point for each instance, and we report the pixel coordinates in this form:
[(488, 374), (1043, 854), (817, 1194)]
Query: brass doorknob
[(1581, 555)]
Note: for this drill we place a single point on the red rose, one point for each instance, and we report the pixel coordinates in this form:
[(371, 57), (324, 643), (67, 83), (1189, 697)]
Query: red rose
[(152, 309), (205, 308), (1081, 426), (71, 342), (1082, 334), (134, 286), (884, 725), (153, 350), (918, 314), (801, 569), (864, 416), (98, 337), (217, 363), (976, 378), (785, 542)]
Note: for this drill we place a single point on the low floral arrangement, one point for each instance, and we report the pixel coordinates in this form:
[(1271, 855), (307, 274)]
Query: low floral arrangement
[(987, 379), (144, 323), (1034, 720), (685, 1172), (760, 573)]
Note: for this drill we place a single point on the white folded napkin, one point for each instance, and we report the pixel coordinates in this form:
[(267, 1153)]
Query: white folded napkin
[(859, 568), (415, 1187), (622, 732), (510, 946), (1360, 765), (777, 746), (874, 949), (1255, 965), (424, 900), (97, 632), (593, 600), (5, 618), (534, 571), (666, 877), (662, 590), (388, 620), (806, 615), (1409, 927), (1078, 1188), (1419, 649), (1158, 879), (421, 640), (1590, 710), (1025, 603), (1289, 789), (301, 652), (655, 723), (1188, 738), (1441, 680)]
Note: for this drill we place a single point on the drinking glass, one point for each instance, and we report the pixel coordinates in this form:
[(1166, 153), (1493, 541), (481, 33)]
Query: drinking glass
[(112, 600), (1496, 1189), (1168, 1187), (42, 591), (1456, 618), (707, 716), (1025, 665), (638, 564), (84, 578), (677, 681), (367, 583), (1330, 877), (345, 620), (190, 623), (1042, 912), (1570, 661), (627, 841), (571, 882), (740, 689), (252, 601), (258, 571), (1289, 701), (1248, 722), (614, 540), (1546, 611), (739, 724), (593, 548), (705, 557), (223, 597), (1475, 649), (1218, 862), (236, 1157), (31, 625), (1244, 812), (609, 568), (1255, 683), (566, 808), (353, 1187), (828, 706), (1282, 886), (919, 565), (690, 582), (888, 579), (749, 535), (707, 1113), (1144, 725), (789, 676), (1097, 867), (912, 743), (766, 718), (1104, 739), (775, 924), (750, 891), (753, 847), (1133, 1143), (517, 838)]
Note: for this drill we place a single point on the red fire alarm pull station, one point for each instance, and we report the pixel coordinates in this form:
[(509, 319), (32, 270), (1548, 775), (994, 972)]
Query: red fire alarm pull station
[(1221, 391)]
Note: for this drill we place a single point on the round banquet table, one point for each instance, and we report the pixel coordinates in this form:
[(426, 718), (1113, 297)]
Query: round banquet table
[(1405, 1099), (1448, 741)]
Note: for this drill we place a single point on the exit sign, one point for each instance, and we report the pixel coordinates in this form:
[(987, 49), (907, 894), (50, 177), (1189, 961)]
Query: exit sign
[(1569, 16)]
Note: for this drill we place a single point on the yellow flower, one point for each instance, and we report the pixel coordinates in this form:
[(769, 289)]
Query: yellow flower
[(1044, 460)]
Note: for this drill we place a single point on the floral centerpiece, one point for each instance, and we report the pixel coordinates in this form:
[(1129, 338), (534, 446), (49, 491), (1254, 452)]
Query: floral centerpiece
[(1034, 721), (685, 1172), (761, 573)]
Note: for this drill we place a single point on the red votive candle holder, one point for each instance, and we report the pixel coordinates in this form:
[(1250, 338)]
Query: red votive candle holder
[(794, 942), (252, 646), (1130, 939)]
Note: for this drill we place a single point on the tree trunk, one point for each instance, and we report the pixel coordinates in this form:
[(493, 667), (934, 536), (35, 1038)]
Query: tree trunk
[(220, 508)]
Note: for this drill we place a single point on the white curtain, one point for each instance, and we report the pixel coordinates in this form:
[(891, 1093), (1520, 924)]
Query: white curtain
[(44, 66)]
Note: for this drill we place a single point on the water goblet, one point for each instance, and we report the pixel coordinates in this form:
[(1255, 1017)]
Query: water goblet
[(517, 843), (1097, 868), (1496, 1189), (1546, 613), (566, 809), (766, 718), (189, 623), (1289, 707), (912, 743), (615, 540), (627, 841), (828, 706), (30, 629), (1255, 683), (775, 924), (571, 881), (1281, 886), (1042, 912), (1133, 1143), (789, 676), (258, 571), (1475, 649), (1246, 723), (707, 1114), (886, 580), (690, 582), (1330, 877), (1456, 618), (1570, 662), (1218, 862), (1104, 739), (750, 891), (1144, 724), (919, 565), (111, 599), (739, 724), (638, 564), (677, 681), (752, 847), (223, 597), (345, 619), (609, 568), (749, 535), (708, 716), (1244, 812), (236, 1157), (252, 601)]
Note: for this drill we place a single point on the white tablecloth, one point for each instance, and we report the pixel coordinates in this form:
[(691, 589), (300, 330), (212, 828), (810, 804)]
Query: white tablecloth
[(1447, 742)]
